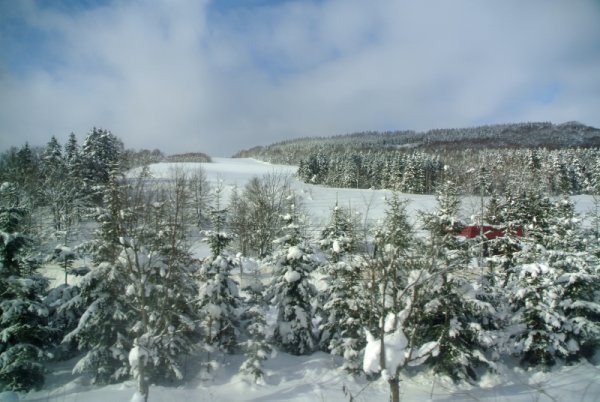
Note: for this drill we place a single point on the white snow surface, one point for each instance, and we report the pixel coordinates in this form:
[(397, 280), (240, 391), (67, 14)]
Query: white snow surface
[(319, 377), (292, 276), (294, 253)]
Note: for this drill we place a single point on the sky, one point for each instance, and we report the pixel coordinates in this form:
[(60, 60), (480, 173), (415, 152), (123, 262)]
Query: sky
[(218, 76)]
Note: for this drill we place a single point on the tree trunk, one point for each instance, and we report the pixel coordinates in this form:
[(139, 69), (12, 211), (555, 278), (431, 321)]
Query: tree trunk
[(394, 389), (143, 387)]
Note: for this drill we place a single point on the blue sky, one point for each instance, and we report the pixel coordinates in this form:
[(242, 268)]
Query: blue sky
[(218, 76)]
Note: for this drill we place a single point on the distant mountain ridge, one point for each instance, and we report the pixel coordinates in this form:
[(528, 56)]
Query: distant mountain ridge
[(516, 135)]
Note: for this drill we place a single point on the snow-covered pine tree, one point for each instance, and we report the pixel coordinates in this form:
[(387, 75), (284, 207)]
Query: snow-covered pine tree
[(338, 238), (27, 176), (406, 278), (257, 347), (53, 171), (104, 329), (100, 153), (453, 314), (219, 297), (138, 317), (343, 303), (103, 332), (554, 294), (63, 317), (388, 268), (24, 331), (290, 290), (161, 289), (111, 219), (397, 345)]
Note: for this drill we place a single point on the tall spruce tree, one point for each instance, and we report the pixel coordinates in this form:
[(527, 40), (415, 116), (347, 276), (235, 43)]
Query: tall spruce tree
[(257, 347), (553, 294), (24, 331), (100, 152), (343, 303), (138, 317), (290, 290), (219, 296), (454, 313)]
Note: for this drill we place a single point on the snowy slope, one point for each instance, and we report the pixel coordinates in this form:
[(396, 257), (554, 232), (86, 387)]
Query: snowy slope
[(317, 200), (318, 377)]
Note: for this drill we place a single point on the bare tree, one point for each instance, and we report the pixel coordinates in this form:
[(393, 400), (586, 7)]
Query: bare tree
[(199, 190), (256, 213)]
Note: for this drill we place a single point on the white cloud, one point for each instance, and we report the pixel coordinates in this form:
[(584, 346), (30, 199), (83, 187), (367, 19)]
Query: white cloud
[(182, 77)]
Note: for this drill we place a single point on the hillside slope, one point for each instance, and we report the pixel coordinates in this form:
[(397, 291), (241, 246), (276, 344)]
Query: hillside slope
[(519, 135)]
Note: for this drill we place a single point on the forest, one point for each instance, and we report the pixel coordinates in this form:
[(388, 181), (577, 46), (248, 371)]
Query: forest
[(559, 157), (389, 299)]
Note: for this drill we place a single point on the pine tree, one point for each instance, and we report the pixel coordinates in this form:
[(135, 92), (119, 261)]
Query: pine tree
[(338, 238), (63, 317), (112, 219), (138, 317), (553, 294), (100, 153), (24, 331), (290, 290), (342, 304), (257, 347), (388, 269), (27, 176), (53, 182), (400, 277), (104, 329), (453, 314), (75, 198), (219, 298)]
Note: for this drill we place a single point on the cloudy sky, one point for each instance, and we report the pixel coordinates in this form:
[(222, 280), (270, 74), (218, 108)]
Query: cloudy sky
[(222, 75)]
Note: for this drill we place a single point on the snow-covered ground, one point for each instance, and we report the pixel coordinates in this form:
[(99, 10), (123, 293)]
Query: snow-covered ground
[(318, 200), (318, 377)]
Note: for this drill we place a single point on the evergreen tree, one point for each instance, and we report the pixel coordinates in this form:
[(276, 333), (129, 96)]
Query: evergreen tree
[(112, 219), (26, 175), (138, 317), (53, 181), (338, 238), (400, 276), (290, 290), (553, 294), (453, 315), (343, 303), (24, 331), (219, 298), (63, 317), (100, 153), (391, 262), (257, 347), (74, 194), (104, 329)]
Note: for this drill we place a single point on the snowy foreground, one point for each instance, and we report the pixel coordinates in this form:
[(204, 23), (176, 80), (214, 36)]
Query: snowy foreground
[(318, 377)]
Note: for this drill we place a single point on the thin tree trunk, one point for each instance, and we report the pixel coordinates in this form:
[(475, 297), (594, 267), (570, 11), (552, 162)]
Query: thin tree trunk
[(394, 389), (143, 387)]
